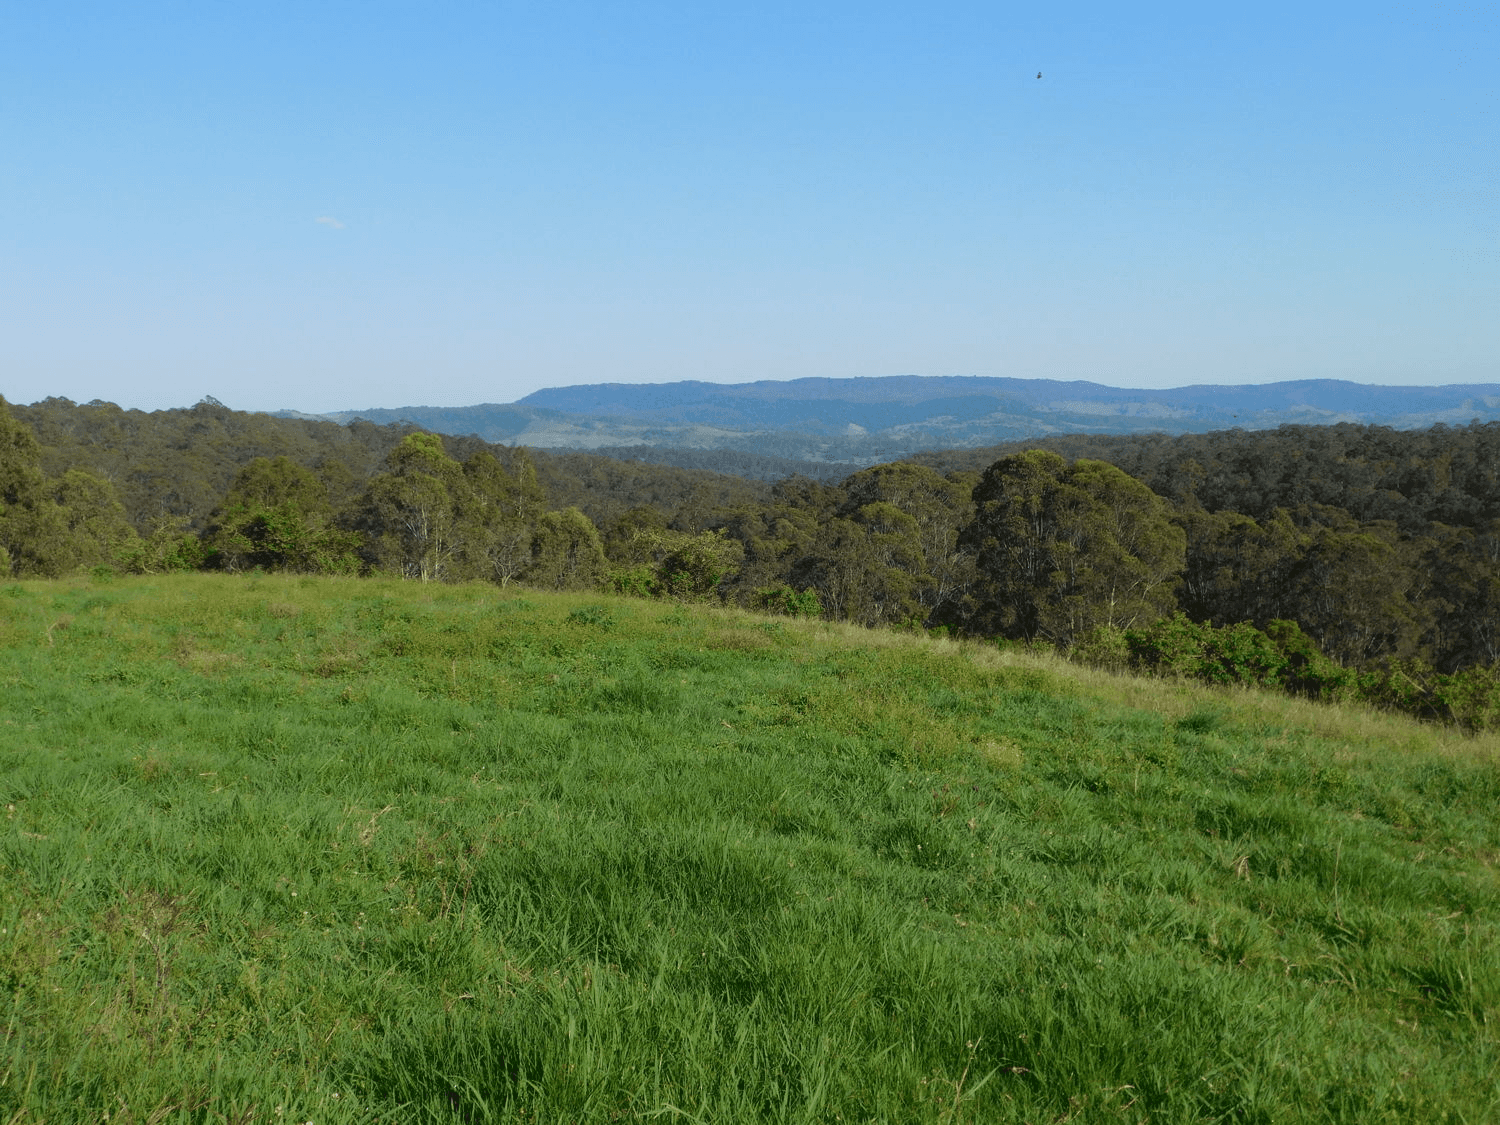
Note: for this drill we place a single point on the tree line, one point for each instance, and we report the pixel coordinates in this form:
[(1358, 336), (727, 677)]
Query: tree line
[(1335, 561)]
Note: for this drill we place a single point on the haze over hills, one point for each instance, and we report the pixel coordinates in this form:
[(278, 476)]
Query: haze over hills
[(873, 418)]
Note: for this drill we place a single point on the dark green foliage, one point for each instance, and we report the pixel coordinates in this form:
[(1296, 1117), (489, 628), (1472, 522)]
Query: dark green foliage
[(632, 537), (168, 546), (1460, 597), (604, 489), (285, 539), (637, 581), (774, 539), (183, 462), (1285, 658), (412, 515), (1237, 568), (862, 556), (431, 518), (1349, 590), (54, 527), (1282, 656), (1064, 549), (566, 553), (671, 563), (21, 479), (866, 569), (695, 566), (30, 526), (940, 508), (1415, 478), (95, 519), (1469, 697), (503, 509), (1308, 671), (277, 516)]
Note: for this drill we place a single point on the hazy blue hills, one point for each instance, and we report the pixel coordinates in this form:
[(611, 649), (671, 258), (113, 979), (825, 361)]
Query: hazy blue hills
[(874, 418), (908, 400)]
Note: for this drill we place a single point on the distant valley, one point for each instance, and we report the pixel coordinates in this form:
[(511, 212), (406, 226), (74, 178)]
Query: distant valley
[(871, 419)]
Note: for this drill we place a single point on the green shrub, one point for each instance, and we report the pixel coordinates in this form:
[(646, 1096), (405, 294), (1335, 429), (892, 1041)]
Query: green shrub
[(1286, 658), (1173, 646), (1176, 646), (1307, 671), (1470, 698), (1104, 647), (785, 600), (634, 582), (1242, 654)]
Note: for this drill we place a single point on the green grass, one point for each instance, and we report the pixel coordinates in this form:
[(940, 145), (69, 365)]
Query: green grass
[(322, 850)]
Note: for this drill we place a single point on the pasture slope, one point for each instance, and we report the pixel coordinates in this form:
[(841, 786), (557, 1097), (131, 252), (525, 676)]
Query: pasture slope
[(317, 850)]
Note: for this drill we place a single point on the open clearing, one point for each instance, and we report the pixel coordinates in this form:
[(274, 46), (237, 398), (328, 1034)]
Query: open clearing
[(280, 849)]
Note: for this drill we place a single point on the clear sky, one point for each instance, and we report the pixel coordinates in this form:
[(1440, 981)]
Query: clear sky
[(322, 205)]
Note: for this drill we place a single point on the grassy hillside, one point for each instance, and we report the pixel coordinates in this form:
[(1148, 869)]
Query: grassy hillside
[(322, 850)]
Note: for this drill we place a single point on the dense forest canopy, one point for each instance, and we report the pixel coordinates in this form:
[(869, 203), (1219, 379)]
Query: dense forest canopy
[(1415, 478), (1347, 547)]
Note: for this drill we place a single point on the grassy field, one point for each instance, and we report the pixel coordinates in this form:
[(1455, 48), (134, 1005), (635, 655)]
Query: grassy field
[(312, 850)]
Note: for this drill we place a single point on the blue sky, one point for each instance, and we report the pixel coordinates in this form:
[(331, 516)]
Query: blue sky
[(341, 205)]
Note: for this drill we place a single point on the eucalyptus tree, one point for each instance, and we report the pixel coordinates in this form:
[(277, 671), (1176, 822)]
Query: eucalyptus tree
[(413, 514), (1062, 549), (22, 493), (773, 539), (502, 514), (277, 516), (1461, 567), (566, 552), (97, 529), (51, 527), (866, 567), (1350, 591), (1239, 568), (939, 507)]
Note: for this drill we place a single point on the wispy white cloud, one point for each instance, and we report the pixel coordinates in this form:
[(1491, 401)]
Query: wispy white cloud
[(329, 221)]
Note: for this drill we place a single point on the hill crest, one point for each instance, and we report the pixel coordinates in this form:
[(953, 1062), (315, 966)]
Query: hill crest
[(863, 418)]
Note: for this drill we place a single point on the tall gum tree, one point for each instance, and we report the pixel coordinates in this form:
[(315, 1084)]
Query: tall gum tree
[(940, 507), (1064, 549), (566, 553), (22, 491), (504, 509), (1239, 568), (413, 514), (866, 568), (51, 527)]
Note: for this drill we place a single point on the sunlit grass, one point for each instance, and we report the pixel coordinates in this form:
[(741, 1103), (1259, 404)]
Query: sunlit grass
[(336, 850)]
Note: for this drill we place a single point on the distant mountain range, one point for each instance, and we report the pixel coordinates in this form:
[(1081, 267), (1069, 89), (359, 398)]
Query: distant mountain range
[(862, 420)]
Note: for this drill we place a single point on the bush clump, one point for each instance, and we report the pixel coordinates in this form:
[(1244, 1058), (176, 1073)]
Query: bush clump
[(1284, 657)]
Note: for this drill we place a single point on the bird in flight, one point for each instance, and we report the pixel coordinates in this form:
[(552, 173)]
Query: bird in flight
[(1039, 74)]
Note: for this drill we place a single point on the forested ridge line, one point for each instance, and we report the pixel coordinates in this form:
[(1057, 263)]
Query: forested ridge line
[(1414, 478), (179, 463), (1343, 560)]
